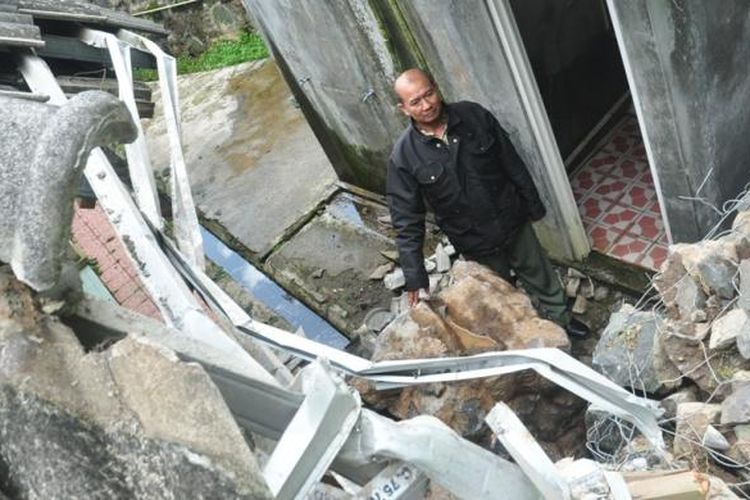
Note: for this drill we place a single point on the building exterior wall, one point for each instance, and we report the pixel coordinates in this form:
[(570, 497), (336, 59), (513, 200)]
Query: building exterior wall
[(333, 54), (688, 63)]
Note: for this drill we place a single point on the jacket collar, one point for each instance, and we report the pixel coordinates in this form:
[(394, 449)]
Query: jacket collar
[(453, 120)]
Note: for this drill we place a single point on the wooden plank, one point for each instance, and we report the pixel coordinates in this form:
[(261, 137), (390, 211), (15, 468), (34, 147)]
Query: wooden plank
[(688, 485)]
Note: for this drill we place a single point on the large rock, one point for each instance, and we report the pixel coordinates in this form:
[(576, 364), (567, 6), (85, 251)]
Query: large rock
[(479, 312), (727, 328), (712, 263), (685, 346), (128, 422), (631, 354), (482, 302)]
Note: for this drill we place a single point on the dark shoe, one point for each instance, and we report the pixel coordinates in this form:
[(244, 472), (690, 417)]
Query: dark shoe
[(577, 329)]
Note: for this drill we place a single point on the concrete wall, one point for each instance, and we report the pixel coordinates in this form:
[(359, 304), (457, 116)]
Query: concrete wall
[(332, 54), (346, 47), (688, 63)]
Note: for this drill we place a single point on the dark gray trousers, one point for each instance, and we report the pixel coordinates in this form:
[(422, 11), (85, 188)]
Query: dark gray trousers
[(532, 266)]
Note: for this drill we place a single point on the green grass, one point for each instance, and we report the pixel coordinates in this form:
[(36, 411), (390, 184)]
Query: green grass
[(222, 53)]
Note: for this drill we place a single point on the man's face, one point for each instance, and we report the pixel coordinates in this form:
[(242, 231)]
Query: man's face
[(421, 101)]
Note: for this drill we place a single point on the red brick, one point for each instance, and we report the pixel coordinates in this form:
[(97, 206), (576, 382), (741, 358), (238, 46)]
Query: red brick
[(126, 291), (136, 300)]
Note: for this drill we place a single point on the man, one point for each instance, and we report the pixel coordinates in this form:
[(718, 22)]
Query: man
[(458, 158)]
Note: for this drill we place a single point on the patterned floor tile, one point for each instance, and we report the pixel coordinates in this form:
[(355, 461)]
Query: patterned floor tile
[(629, 249), (592, 207), (602, 237), (601, 162), (638, 152), (654, 257), (618, 217), (648, 226), (639, 196), (646, 178), (583, 181), (611, 188), (629, 169)]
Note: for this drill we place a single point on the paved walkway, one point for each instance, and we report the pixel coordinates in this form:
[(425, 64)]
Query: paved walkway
[(96, 239)]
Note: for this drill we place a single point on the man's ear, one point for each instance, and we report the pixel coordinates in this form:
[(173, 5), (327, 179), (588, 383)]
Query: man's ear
[(403, 110)]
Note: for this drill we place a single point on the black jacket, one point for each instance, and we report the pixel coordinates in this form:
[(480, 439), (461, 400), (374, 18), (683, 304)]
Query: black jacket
[(477, 186)]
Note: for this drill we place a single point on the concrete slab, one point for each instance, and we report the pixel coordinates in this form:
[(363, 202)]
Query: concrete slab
[(255, 166), (346, 244)]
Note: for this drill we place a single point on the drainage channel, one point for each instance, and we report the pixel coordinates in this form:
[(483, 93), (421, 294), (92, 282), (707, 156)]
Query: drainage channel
[(270, 294)]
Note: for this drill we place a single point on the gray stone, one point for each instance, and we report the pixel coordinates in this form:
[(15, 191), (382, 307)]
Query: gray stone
[(580, 305), (630, 352), (714, 439), (692, 421), (450, 250), (726, 329), (442, 259), (394, 280), (571, 287), (575, 273), (377, 319), (712, 263), (379, 272), (587, 289), (744, 287), (689, 297), (429, 265), (43, 152), (434, 280), (129, 422), (603, 430), (742, 431), (601, 293), (735, 409), (698, 316), (671, 402)]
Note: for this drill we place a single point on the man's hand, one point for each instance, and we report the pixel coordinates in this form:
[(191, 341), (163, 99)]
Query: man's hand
[(412, 296)]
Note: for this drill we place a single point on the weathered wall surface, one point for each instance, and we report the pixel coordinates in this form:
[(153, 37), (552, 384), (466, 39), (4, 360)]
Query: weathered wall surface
[(336, 61), (687, 64), (332, 54)]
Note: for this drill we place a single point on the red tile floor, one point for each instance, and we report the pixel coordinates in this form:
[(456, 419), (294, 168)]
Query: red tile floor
[(96, 238), (617, 201)]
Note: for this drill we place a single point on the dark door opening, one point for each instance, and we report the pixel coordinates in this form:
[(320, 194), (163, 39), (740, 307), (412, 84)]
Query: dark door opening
[(577, 64)]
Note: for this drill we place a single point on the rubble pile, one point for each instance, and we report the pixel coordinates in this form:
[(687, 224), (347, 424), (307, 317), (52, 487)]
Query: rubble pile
[(131, 421), (479, 312), (692, 351)]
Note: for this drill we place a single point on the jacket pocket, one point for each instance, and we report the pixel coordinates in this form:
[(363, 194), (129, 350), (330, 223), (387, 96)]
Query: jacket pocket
[(438, 184)]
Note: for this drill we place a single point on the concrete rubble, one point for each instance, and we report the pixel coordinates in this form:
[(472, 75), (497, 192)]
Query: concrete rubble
[(77, 424), (691, 350), (479, 312)]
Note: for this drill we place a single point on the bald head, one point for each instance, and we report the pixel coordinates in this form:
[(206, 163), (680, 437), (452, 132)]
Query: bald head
[(419, 97), (410, 77)]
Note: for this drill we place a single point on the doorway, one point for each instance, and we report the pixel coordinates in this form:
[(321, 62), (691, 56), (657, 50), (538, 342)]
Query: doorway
[(575, 59)]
